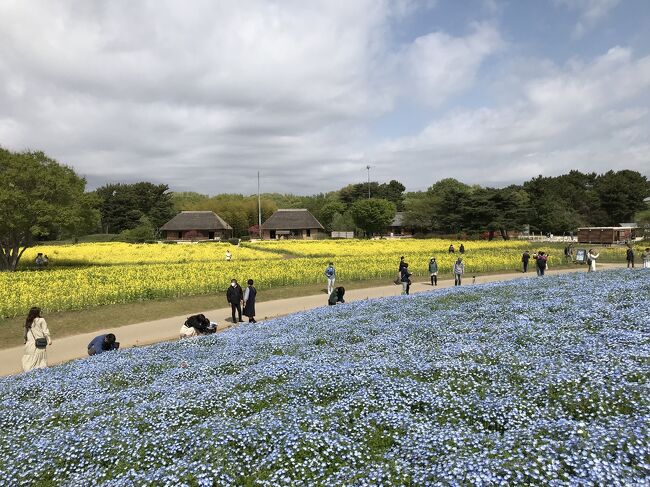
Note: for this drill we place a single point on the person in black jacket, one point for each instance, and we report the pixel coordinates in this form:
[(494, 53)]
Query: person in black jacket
[(629, 256), (249, 302), (235, 296), (406, 279)]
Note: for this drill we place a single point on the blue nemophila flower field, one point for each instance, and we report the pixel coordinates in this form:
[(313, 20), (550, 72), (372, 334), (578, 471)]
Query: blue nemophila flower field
[(538, 381)]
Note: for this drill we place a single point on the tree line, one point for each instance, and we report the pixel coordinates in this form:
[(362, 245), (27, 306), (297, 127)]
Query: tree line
[(41, 199)]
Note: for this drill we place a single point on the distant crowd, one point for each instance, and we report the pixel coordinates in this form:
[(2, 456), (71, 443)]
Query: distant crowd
[(242, 301)]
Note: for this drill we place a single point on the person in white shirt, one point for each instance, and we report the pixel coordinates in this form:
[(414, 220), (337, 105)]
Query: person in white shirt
[(591, 260)]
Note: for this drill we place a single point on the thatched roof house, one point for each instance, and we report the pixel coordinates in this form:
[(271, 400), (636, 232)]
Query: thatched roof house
[(196, 225), (398, 227), (291, 223)]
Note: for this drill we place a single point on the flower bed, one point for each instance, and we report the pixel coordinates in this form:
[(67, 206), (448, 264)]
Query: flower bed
[(538, 381)]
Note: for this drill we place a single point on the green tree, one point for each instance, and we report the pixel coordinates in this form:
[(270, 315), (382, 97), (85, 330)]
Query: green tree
[(373, 215), (621, 195), (328, 212), (143, 232), (343, 222), (123, 205), (393, 191), (39, 198), (421, 211)]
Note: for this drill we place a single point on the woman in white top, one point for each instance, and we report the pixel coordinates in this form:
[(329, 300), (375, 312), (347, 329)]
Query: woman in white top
[(591, 259), (35, 328)]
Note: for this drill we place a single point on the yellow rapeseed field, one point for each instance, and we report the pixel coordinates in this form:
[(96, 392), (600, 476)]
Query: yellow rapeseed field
[(87, 275)]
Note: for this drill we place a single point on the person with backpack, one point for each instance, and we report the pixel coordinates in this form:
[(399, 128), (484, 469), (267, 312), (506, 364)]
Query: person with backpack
[(235, 296), (103, 343), (36, 336), (459, 270), (406, 279), (591, 260), (249, 301), (629, 256), (433, 271), (525, 257), (330, 273)]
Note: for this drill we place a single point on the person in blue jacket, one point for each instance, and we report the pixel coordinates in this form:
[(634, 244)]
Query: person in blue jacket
[(103, 343)]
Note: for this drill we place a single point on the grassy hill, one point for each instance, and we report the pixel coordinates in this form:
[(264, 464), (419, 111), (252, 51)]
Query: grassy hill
[(525, 382)]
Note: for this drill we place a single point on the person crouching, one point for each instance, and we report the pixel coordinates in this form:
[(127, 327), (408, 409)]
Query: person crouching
[(103, 343), (336, 296)]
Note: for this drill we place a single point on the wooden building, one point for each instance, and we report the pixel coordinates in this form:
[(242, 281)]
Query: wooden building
[(605, 235), (398, 228), (196, 225), (292, 223)]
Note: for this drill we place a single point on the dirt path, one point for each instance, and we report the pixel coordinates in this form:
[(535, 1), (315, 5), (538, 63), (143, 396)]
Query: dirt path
[(139, 334)]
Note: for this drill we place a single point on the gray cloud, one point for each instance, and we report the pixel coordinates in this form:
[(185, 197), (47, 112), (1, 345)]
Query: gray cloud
[(203, 95)]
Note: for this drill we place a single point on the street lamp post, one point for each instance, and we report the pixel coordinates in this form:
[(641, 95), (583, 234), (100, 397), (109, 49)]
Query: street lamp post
[(368, 168)]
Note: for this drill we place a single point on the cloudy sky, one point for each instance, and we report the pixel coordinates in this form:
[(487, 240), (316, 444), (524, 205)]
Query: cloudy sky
[(202, 94)]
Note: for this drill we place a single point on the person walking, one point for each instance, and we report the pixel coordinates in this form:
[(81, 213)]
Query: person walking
[(235, 295), (406, 279), (645, 256), (591, 260), (249, 301), (330, 273), (36, 336), (459, 270), (629, 256), (433, 271), (541, 263), (525, 257), (228, 256), (103, 343), (451, 249), (461, 249)]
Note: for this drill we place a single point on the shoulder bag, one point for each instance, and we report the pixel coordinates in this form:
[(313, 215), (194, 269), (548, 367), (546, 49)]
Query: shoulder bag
[(40, 343)]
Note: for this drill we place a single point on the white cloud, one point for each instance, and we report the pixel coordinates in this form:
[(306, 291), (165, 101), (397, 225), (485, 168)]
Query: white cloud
[(590, 13), (201, 95), (588, 116), (440, 65)]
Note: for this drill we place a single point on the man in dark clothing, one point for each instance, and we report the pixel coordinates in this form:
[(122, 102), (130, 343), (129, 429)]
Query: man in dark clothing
[(406, 279), (103, 343), (629, 256), (461, 249), (336, 296), (541, 263), (235, 296), (249, 302), (524, 259)]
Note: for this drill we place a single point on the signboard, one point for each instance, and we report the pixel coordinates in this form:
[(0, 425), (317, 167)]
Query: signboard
[(581, 256)]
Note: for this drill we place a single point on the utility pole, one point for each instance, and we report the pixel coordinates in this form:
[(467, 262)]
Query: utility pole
[(368, 168), (259, 206)]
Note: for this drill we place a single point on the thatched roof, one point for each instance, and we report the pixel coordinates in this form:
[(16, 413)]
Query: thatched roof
[(398, 221), (196, 220), (292, 219)]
